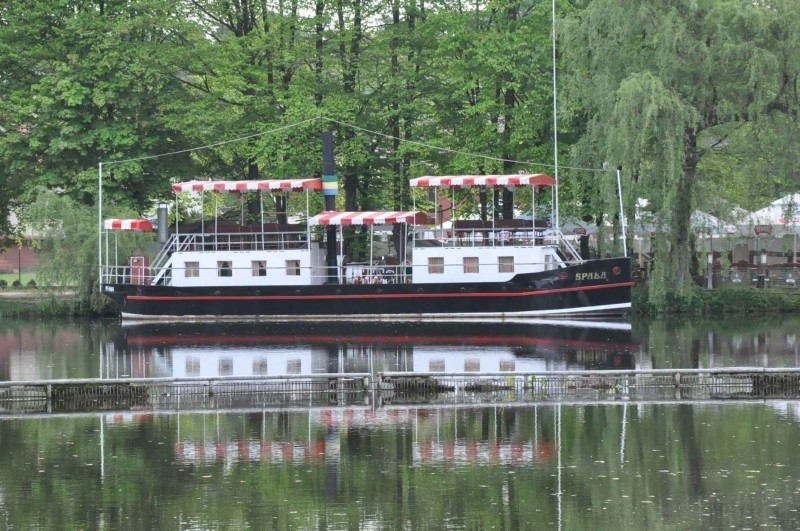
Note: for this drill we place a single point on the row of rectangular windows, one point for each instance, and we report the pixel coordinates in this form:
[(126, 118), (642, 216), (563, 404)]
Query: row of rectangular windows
[(258, 268), (225, 367), (471, 365), (505, 264), (294, 366)]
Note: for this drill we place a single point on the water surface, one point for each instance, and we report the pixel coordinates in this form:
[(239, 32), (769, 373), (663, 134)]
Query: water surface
[(569, 467), (618, 465)]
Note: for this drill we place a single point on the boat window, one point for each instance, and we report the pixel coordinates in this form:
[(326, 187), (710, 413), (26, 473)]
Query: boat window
[(192, 366), (224, 269), (225, 366), (436, 365), (191, 269), (505, 264), (293, 268), (472, 365), (293, 366), (260, 366), (436, 265), (507, 365), (470, 264), (259, 268)]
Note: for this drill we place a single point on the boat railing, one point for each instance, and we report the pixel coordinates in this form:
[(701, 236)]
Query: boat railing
[(494, 237), (162, 258), (566, 247), (485, 237), (144, 274), (382, 273), (239, 241), (127, 274), (141, 273)]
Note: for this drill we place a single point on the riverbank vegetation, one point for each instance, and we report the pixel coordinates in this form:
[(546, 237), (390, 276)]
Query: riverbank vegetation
[(696, 101), (42, 304), (727, 300)]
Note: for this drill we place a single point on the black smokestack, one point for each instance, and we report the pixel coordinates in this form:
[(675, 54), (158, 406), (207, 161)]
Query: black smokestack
[(330, 187)]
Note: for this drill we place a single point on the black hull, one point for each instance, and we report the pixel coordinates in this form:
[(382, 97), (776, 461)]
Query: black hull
[(584, 344), (570, 334), (594, 288)]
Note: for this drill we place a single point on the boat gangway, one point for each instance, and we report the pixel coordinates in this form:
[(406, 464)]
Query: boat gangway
[(729, 383)]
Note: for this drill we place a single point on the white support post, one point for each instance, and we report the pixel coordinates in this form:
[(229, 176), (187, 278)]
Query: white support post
[(555, 120), (622, 214), (100, 226)]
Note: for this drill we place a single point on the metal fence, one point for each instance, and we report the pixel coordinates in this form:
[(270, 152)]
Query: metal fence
[(774, 277), (634, 385), (399, 388), (127, 393)]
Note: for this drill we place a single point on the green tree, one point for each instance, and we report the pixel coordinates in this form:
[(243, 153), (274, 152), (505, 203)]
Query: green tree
[(657, 80), (82, 87), (65, 233)]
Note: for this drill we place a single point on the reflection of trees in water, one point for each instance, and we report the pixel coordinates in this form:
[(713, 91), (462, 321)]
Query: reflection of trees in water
[(622, 466), (736, 342), (694, 456)]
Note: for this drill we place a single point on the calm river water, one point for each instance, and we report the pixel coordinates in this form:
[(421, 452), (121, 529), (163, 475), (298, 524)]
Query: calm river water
[(610, 465)]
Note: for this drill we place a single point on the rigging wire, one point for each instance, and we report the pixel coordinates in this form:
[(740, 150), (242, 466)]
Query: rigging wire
[(356, 128), (456, 151), (216, 144)]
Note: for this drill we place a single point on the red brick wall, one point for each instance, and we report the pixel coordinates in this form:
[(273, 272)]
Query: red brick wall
[(13, 257)]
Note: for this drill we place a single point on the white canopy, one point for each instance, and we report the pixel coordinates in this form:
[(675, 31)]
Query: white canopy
[(704, 222), (367, 218), (249, 186), (469, 181), (139, 225), (783, 211)]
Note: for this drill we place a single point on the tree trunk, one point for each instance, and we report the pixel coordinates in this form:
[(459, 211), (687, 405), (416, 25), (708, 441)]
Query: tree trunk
[(676, 262)]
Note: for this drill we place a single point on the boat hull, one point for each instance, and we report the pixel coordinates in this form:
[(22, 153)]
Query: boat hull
[(593, 288)]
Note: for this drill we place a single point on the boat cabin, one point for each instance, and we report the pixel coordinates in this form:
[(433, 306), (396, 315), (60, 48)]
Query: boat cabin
[(268, 253)]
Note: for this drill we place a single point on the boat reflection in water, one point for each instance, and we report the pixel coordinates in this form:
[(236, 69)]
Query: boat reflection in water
[(286, 349), (316, 438), (313, 434)]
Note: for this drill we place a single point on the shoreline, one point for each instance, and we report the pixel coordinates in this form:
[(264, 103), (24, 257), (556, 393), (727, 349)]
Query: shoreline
[(27, 294)]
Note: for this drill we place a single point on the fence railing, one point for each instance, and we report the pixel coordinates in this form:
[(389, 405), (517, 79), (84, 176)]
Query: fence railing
[(399, 388)]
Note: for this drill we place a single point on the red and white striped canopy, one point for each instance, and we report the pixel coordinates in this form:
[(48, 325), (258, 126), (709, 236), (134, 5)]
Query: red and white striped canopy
[(283, 185), (468, 181), (141, 225), (367, 218)]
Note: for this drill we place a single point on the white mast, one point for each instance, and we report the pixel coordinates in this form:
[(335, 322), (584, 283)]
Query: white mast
[(555, 119), (100, 227)]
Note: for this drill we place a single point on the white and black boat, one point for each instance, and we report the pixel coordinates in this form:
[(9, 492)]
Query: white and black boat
[(459, 269)]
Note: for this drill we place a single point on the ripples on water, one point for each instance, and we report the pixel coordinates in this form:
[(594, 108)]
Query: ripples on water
[(406, 466), (585, 467)]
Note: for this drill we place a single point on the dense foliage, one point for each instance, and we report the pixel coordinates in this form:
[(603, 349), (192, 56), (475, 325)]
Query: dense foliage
[(691, 97), (664, 87)]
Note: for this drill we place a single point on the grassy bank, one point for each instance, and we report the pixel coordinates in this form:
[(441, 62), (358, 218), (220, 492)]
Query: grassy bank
[(22, 297), (16, 280), (727, 300), (35, 303)]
